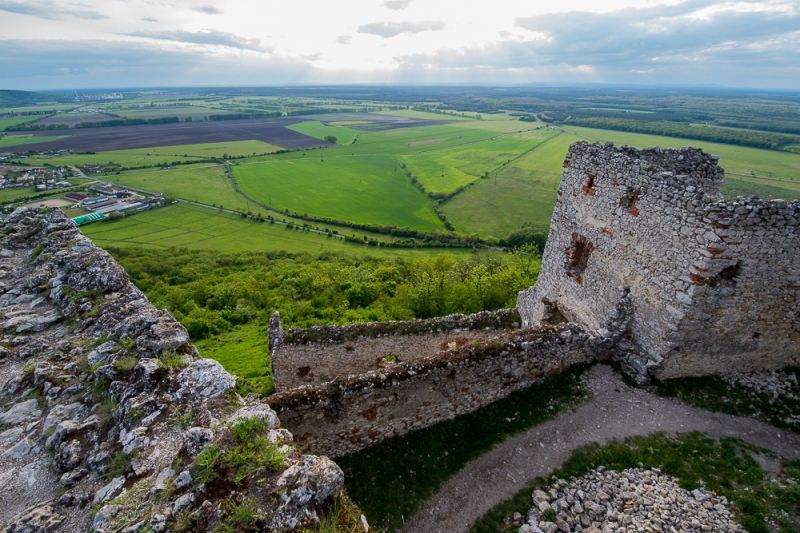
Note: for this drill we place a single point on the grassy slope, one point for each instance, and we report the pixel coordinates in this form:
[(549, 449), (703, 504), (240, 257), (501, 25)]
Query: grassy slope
[(194, 227), (243, 351), (343, 134), (364, 189), (524, 191), (166, 154)]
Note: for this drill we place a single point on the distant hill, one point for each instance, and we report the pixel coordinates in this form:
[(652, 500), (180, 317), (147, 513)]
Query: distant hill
[(20, 98)]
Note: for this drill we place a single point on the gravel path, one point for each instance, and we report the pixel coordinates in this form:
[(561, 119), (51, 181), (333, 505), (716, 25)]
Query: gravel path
[(501, 473)]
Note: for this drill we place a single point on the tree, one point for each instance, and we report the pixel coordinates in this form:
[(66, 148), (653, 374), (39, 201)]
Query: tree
[(330, 138)]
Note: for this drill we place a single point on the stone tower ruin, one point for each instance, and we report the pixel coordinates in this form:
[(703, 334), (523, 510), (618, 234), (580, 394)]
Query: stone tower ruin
[(710, 285)]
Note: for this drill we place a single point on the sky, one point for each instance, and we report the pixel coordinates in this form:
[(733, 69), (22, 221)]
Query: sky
[(58, 44)]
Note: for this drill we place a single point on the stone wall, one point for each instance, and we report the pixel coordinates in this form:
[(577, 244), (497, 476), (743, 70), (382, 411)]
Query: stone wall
[(714, 285), (315, 355), (350, 414)]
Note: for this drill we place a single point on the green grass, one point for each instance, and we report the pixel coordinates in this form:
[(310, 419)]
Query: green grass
[(207, 184), (363, 189), (410, 468), (155, 156), (318, 130), (422, 114), (738, 161), (243, 351), (24, 139), (725, 467), (11, 195), (200, 228), (13, 121), (733, 187), (445, 170), (522, 192)]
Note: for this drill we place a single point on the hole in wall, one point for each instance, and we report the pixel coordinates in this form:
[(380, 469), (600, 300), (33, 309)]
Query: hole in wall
[(578, 257), (303, 371), (628, 201), (589, 189), (726, 277), (756, 335), (552, 314)]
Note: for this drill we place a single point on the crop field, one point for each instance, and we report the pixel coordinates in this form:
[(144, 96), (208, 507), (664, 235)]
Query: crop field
[(318, 130), (445, 170), (23, 139), (74, 118), (522, 192), (206, 184), (13, 121), (268, 130), (363, 189), (188, 226), (153, 156)]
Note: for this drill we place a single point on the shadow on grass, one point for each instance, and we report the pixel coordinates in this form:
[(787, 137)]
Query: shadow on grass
[(389, 481)]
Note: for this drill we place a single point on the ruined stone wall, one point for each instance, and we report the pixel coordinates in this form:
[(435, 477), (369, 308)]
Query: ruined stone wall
[(347, 415), (315, 355), (714, 286)]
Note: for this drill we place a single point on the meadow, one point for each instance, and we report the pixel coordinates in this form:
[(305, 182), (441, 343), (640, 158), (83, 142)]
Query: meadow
[(318, 130), (364, 189), (23, 139), (199, 228), (13, 121)]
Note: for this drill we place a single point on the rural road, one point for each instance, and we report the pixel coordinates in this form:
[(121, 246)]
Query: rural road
[(502, 472)]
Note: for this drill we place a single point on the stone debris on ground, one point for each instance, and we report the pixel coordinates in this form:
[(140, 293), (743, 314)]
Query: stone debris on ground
[(104, 403), (608, 501)]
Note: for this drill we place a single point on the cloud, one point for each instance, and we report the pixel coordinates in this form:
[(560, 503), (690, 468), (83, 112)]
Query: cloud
[(47, 9), (149, 19), (207, 9), (393, 29), (344, 39), (397, 5), (205, 37)]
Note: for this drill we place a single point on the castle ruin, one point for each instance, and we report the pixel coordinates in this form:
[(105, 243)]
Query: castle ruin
[(644, 264), (713, 285)]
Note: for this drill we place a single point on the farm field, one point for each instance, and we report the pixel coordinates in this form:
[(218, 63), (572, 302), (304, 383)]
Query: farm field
[(522, 192), (203, 183), (13, 121), (26, 138), (362, 189), (318, 130), (738, 161), (268, 130), (445, 170), (200, 228), (166, 154)]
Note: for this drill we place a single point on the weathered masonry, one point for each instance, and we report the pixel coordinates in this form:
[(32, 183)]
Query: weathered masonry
[(319, 354), (713, 285)]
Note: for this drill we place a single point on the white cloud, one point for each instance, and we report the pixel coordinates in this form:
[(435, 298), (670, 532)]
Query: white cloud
[(393, 29), (397, 5)]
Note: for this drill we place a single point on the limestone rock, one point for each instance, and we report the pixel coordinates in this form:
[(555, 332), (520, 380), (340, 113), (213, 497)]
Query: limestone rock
[(205, 379)]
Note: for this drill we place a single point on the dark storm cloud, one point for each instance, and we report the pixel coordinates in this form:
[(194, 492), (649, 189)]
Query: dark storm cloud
[(47, 9), (206, 37), (208, 10), (393, 29)]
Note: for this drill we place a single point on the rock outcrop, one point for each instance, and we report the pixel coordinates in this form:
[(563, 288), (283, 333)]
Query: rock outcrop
[(109, 418)]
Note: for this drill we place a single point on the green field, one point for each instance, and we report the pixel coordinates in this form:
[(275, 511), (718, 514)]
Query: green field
[(13, 121), (20, 140), (203, 183), (10, 195), (522, 192), (141, 157), (200, 228), (445, 170), (362, 189), (243, 351), (318, 130)]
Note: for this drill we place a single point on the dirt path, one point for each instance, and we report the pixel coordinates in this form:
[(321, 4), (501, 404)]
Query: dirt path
[(499, 474)]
